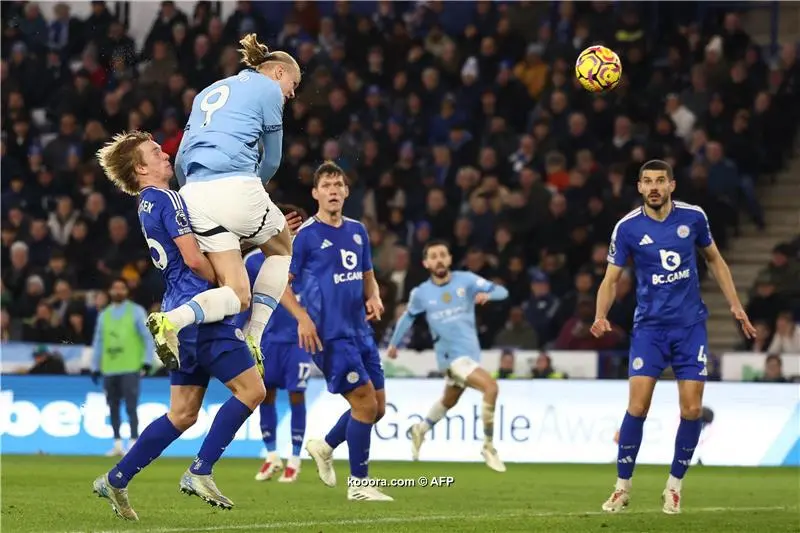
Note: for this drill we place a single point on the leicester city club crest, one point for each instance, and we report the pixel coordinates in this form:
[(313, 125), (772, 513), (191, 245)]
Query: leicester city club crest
[(683, 231)]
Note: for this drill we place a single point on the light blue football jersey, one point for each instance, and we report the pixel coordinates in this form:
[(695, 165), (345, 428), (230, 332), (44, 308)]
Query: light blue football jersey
[(665, 264), (229, 121), (450, 312)]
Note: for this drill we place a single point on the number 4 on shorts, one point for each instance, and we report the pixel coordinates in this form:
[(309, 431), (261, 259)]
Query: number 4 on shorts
[(702, 357)]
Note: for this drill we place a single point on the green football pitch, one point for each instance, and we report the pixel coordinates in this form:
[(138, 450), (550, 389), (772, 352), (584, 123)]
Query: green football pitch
[(48, 494)]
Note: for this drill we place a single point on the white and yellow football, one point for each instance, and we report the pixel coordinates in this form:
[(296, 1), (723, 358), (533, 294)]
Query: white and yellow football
[(598, 69)]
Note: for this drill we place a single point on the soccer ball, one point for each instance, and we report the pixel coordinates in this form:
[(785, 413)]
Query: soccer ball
[(598, 69)]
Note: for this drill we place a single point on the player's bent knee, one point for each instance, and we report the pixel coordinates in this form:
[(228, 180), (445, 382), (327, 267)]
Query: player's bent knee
[(182, 420), (638, 409), (253, 396), (364, 404), (692, 411), (249, 388)]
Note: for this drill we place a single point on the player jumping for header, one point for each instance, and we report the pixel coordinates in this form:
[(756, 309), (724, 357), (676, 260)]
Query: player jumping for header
[(224, 178), (333, 253), (448, 300), (138, 166), (670, 321)]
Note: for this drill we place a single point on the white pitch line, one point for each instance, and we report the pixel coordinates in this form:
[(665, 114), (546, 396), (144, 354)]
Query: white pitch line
[(425, 518)]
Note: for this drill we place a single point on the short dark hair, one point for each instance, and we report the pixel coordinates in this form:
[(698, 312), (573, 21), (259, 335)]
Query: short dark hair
[(328, 168), (658, 165), (432, 243)]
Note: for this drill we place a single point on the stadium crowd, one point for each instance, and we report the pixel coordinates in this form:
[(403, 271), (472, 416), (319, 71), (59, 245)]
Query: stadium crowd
[(465, 126)]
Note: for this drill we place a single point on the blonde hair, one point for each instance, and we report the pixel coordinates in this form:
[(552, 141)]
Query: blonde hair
[(255, 54), (119, 158)]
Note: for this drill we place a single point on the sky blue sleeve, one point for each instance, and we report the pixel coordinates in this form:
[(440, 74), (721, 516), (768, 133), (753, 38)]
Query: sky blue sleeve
[(479, 284), (416, 305), (140, 316), (618, 250), (271, 159), (97, 343), (179, 174), (272, 136), (406, 320), (403, 324)]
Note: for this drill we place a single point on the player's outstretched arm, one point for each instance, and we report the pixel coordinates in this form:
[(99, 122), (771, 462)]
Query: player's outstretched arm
[(496, 293), (719, 268), (194, 258), (605, 298), (403, 324)]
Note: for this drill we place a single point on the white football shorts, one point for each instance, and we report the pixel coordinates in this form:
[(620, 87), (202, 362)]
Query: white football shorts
[(459, 371), (228, 211)]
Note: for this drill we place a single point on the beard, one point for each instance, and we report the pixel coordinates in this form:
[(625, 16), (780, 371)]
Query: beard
[(439, 271), (656, 204), (116, 298)]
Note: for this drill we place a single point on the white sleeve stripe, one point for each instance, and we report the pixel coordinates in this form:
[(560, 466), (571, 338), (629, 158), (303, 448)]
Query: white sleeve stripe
[(175, 202), (636, 212), (306, 223), (177, 199), (683, 205)]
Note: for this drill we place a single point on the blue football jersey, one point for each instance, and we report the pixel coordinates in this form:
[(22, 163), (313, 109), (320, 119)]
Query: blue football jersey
[(450, 312), (229, 120), (335, 260), (163, 217), (665, 263)]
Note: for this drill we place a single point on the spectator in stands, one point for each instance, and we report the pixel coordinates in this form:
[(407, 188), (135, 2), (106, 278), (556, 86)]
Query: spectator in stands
[(542, 368), (575, 334), (763, 338), (518, 333), (766, 302), (542, 307), (773, 370), (47, 363), (784, 271), (505, 369), (787, 335)]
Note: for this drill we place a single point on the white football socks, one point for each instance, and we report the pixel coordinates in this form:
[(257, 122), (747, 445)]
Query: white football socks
[(437, 412), (267, 291), (209, 306), (487, 414)]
